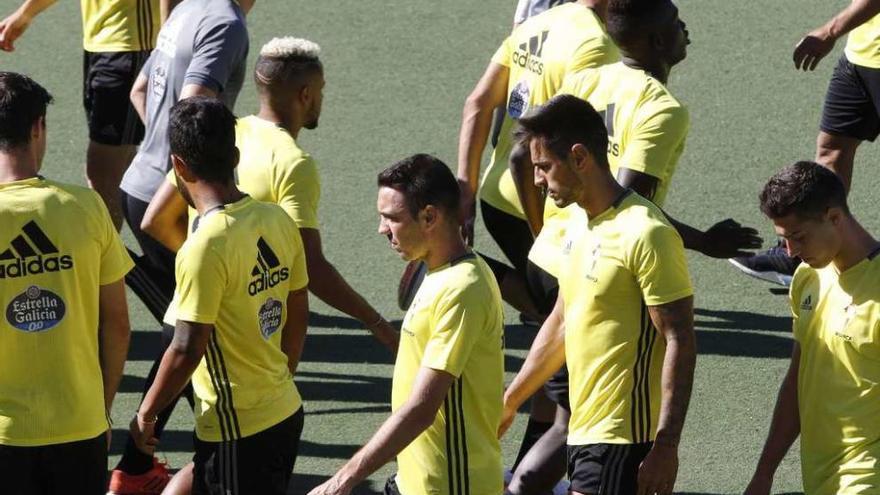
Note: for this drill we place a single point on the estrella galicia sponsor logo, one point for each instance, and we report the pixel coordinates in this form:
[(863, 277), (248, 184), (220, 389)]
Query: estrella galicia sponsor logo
[(528, 55), (518, 101), (270, 317), (32, 253), (35, 310), (268, 271)]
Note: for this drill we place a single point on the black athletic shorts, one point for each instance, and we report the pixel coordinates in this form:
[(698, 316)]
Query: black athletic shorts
[(852, 102), (606, 468), (55, 469), (107, 81), (556, 388), (512, 235), (261, 463)]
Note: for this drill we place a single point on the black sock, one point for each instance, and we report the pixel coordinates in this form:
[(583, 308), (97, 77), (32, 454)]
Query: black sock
[(534, 431)]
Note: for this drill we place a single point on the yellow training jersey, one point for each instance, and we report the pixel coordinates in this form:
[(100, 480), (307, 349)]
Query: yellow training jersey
[(837, 326), (863, 44), (51, 386), (273, 168), (538, 54), (455, 324), (647, 128), (119, 25), (235, 272), (619, 263)]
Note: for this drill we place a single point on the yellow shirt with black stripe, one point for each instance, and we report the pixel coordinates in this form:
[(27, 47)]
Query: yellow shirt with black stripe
[(538, 54), (455, 325), (647, 128), (619, 263), (51, 386), (837, 326), (235, 272), (863, 44), (119, 25), (273, 168)]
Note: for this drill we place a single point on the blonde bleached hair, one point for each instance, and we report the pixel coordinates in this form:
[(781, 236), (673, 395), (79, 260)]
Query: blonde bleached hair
[(286, 62)]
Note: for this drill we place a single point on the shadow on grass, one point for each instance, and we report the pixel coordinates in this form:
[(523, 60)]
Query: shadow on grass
[(301, 484), (742, 320)]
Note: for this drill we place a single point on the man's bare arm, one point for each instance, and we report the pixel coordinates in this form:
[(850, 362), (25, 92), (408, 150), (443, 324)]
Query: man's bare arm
[(530, 196), (327, 283), (14, 25), (818, 43), (293, 335), (115, 332), (476, 124), (784, 429), (138, 96), (398, 431)]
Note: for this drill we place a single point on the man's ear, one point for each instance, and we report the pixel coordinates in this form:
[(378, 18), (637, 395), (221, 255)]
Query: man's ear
[(181, 169), (38, 128), (835, 215), (429, 217), (305, 94), (581, 156)]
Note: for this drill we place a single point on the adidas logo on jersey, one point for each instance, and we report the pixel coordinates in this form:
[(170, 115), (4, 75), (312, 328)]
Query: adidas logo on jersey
[(528, 55), (266, 272), (807, 304), (32, 253)]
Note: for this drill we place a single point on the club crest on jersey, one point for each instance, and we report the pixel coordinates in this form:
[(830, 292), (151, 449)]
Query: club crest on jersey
[(32, 253), (518, 101), (35, 310), (268, 271), (270, 317)]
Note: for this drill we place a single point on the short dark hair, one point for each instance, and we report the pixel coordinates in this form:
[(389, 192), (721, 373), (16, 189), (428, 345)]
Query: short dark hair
[(564, 121), (423, 180), (806, 189), (202, 133), (22, 103), (630, 20)]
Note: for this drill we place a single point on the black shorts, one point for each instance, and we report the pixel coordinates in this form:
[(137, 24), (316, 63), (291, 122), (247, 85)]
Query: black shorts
[(543, 287), (852, 102), (261, 463), (606, 468), (512, 235), (55, 468), (107, 81), (556, 388)]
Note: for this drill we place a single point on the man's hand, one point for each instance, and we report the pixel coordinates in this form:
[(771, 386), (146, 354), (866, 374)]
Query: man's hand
[(507, 416), (729, 239), (759, 486), (11, 29), (386, 334), (658, 471), (333, 486), (468, 211), (143, 435), (812, 49)]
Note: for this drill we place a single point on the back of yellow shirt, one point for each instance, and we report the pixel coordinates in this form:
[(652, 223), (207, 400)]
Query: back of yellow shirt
[(647, 128), (235, 272), (539, 53), (617, 264), (863, 44), (456, 325), (273, 168), (51, 387), (837, 326), (119, 25)]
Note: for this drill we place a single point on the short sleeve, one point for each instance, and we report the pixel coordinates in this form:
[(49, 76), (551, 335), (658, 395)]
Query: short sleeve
[(594, 52), (218, 51), (299, 191), (115, 261), (299, 276), (502, 54), (201, 282), (457, 322), (656, 142), (147, 67), (660, 266), (795, 295)]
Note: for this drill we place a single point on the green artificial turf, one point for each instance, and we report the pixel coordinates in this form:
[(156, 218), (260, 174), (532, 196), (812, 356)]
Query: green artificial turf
[(397, 74)]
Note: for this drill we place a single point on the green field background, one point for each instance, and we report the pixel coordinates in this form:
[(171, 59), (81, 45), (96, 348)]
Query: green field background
[(397, 74)]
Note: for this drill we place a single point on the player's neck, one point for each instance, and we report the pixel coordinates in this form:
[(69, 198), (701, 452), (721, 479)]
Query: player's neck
[(17, 164), (208, 196), (446, 249), (856, 244), (599, 194), (656, 69), (285, 120)]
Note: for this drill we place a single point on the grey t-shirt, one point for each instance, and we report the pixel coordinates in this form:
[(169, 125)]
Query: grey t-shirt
[(203, 42), (529, 8)]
